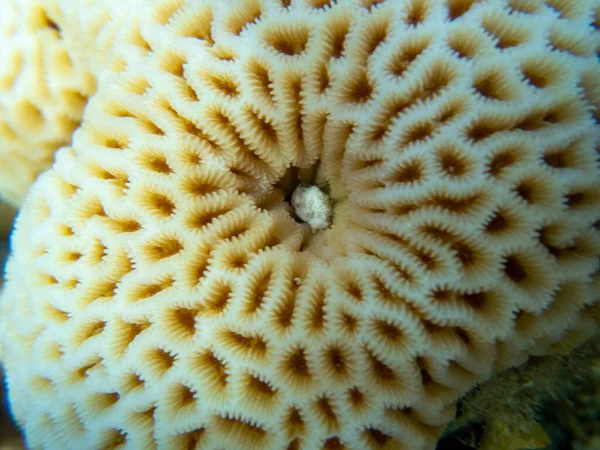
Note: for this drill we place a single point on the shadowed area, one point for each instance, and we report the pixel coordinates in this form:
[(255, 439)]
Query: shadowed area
[(10, 438)]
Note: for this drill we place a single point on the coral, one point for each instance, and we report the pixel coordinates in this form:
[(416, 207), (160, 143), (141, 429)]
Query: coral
[(161, 293), (43, 92)]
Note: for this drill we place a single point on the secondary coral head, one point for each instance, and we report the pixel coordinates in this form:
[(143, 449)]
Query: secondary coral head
[(43, 92), (162, 292)]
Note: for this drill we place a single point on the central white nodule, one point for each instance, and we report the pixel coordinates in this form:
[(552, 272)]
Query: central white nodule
[(312, 206)]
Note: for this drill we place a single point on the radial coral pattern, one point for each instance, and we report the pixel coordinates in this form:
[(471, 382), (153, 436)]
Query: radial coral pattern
[(161, 295)]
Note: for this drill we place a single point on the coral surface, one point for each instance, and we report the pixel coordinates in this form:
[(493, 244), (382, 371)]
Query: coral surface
[(161, 294), (43, 92)]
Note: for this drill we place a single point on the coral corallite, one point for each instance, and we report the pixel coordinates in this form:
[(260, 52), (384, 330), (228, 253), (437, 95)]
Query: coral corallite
[(43, 92), (162, 294)]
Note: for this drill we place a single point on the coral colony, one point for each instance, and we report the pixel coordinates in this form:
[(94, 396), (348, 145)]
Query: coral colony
[(170, 287)]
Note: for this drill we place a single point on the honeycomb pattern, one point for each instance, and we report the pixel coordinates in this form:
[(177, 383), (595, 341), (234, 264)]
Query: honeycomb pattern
[(162, 295), (103, 36), (43, 92)]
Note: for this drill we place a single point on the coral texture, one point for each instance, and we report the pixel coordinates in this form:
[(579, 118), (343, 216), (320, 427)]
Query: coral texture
[(43, 92), (160, 293)]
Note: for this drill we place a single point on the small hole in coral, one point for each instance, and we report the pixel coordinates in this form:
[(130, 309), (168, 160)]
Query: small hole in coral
[(290, 39), (514, 269), (357, 89), (417, 12), (243, 17), (458, 8)]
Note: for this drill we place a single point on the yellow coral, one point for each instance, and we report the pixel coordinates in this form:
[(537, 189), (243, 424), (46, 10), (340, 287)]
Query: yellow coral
[(43, 92), (161, 294)]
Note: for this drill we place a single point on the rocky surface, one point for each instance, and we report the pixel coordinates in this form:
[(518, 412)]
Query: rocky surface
[(550, 403)]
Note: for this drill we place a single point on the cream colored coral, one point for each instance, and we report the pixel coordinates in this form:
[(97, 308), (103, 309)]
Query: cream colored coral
[(52, 55), (42, 93), (104, 36), (161, 295)]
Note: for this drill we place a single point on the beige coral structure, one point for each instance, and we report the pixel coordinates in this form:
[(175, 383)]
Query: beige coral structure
[(42, 93), (161, 295)]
